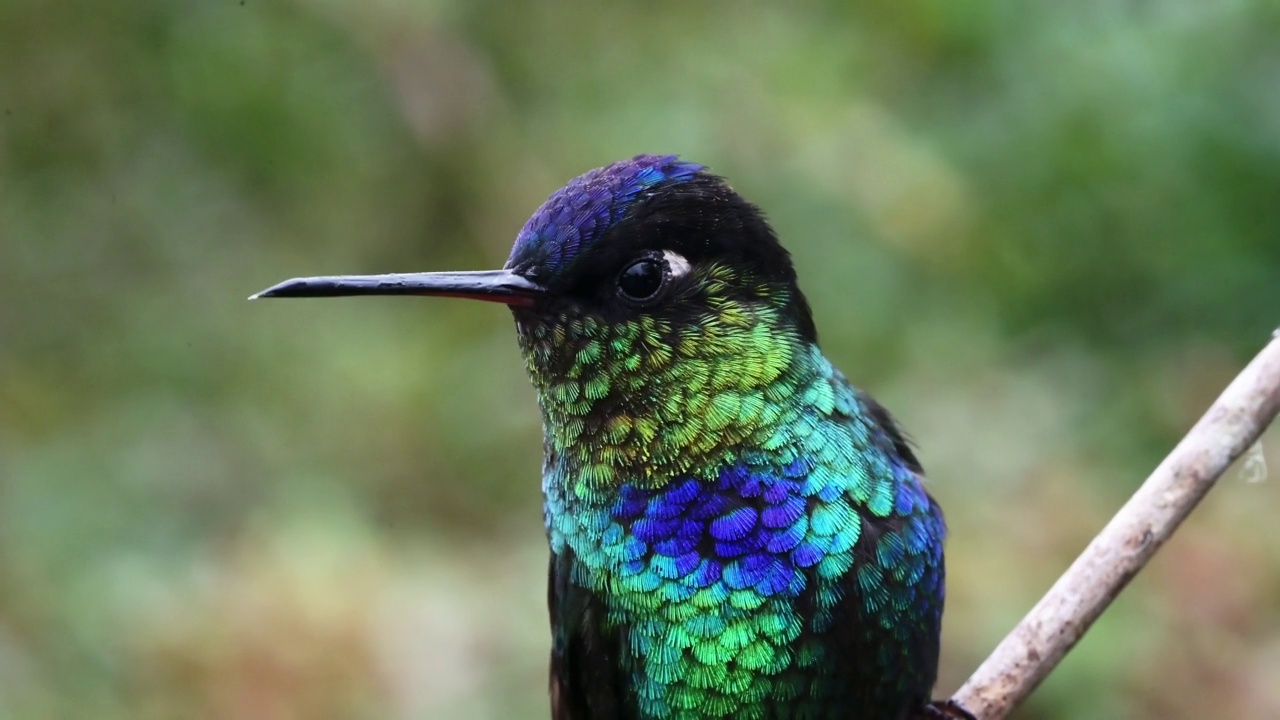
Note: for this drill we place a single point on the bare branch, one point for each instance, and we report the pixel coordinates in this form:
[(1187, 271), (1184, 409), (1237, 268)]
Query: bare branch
[(1027, 655)]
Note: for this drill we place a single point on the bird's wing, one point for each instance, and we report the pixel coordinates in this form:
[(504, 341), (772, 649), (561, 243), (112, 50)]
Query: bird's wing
[(888, 623), (585, 675)]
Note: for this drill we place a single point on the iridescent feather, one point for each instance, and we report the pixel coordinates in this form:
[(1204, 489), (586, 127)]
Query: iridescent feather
[(736, 532)]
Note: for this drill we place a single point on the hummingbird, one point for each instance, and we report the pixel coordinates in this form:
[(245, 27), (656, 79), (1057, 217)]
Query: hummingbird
[(736, 531)]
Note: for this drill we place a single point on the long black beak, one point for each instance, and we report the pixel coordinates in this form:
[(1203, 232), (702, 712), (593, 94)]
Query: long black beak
[(501, 286)]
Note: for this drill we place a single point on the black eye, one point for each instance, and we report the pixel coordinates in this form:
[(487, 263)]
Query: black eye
[(642, 279)]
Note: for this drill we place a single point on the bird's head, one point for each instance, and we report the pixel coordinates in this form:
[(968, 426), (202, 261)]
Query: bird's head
[(657, 312)]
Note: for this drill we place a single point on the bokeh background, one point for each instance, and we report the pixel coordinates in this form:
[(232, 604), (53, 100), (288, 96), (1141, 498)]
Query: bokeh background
[(1045, 234)]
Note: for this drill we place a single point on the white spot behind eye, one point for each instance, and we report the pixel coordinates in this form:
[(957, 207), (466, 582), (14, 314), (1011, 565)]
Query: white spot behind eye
[(676, 263)]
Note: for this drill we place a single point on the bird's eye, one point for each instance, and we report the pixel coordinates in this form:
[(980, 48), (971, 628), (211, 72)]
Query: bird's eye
[(643, 279)]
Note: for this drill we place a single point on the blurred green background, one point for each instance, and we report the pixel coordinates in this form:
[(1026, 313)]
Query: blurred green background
[(1044, 234)]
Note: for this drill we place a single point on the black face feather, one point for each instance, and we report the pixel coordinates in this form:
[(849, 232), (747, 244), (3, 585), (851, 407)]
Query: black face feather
[(703, 221)]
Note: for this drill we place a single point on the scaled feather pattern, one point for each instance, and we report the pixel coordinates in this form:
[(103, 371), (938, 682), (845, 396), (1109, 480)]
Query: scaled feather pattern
[(736, 531)]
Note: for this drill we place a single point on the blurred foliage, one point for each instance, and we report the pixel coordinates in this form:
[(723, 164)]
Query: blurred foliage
[(1045, 234)]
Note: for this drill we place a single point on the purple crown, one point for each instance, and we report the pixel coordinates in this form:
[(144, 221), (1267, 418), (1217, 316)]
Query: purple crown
[(577, 214)]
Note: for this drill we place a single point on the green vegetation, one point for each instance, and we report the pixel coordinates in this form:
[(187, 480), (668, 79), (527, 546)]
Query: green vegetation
[(1044, 234)]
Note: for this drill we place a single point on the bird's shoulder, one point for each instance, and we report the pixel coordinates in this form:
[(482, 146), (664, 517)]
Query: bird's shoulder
[(886, 618), (851, 442)]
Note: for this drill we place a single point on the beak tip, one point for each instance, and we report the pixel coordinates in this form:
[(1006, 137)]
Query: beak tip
[(277, 290)]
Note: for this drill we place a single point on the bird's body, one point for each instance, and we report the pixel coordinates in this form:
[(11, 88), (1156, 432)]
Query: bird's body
[(735, 530), (795, 573)]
